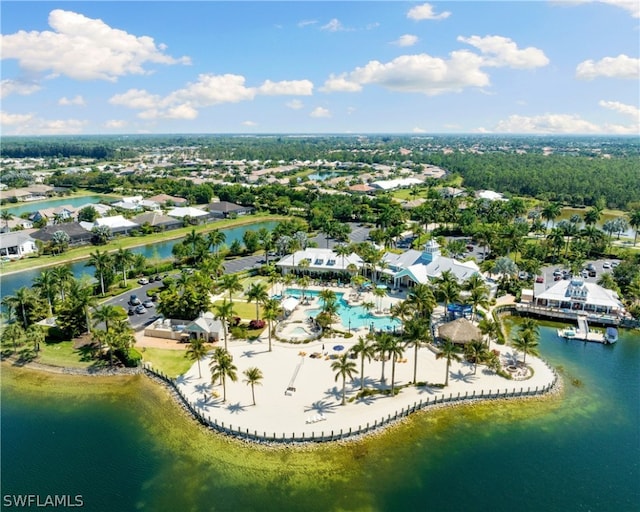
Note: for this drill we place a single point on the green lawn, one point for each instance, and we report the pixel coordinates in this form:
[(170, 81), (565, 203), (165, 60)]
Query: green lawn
[(62, 354), (245, 310), (171, 362)]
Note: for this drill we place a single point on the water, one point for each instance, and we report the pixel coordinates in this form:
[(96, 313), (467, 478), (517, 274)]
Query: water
[(52, 203), (162, 250), (323, 175), (353, 316), (124, 445)]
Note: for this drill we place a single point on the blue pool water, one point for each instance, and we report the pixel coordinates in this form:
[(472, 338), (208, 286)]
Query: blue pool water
[(354, 316)]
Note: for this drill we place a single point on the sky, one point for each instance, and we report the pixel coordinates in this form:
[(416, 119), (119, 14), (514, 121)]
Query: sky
[(520, 67)]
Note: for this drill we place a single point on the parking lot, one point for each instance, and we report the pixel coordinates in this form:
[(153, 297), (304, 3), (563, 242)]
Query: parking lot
[(599, 265)]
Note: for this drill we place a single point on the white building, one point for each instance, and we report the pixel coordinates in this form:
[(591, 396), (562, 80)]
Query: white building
[(15, 245), (577, 296), (320, 261), (185, 211)]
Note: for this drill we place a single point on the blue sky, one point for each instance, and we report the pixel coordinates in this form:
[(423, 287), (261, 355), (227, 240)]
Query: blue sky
[(559, 67)]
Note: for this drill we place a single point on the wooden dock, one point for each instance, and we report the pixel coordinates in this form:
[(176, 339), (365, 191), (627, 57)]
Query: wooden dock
[(582, 333)]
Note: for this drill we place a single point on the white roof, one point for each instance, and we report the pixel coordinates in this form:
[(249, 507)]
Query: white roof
[(290, 303), (117, 221), (595, 294), (320, 259), (183, 211), (490, 195), (391, 184)]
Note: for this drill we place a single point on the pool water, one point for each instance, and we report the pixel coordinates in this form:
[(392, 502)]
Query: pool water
[(355, 316)]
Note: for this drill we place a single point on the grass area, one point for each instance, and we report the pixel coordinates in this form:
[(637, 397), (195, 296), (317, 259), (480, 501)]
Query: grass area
[(245, 310), (80, 253), (62, 354), (405, 194), (171, 362)]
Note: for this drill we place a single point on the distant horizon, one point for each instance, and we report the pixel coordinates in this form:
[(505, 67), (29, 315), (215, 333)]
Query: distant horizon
[(314, 68)]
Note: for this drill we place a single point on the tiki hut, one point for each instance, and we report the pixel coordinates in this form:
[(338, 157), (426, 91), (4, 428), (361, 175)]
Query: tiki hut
[(460, 331)]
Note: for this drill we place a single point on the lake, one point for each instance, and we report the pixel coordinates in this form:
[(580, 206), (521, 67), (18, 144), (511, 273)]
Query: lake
[(32, 206), (123, 445), (162, 250)]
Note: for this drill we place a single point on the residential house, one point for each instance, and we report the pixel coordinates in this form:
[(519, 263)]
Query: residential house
[(77, 233), (16, 245), (15, 224), (117, 224), (157, 221), (187, 211), (57, 215), (164, 199), (224, 209)]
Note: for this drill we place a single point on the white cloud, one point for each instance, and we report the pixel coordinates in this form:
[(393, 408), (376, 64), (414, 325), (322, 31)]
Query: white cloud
[(629, 110), (333, 26), (249, 123), (8, 87), (77, 101), (405, 40), (84, 49), (503, 51), (286, 87), (115, 124), (418, 130), (621, 66), (305, 23), (425, 12), (7, 119), (631, 6), (207, 91), (320, 112), (420, 73), (295, 104), (547, 123)]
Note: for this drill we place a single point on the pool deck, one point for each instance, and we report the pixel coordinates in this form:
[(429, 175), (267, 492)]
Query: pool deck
[(313, 406)]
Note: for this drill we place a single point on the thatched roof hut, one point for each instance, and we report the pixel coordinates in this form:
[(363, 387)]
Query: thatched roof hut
[(460, 331)]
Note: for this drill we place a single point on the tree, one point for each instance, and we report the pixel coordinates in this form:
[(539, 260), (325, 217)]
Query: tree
[(634, 222), (526, 341), (271, 312), (421, 298), (447, 288), (47, 285), (505, 266), (196, 351), (215, 239), (24, 304), (14, 334), (383, 344), (123, 259), (258, 293), (344, 368), (87, 214), (478, 293), (60, 241), (366, 350), (63, 277), (107, 314), (6, 216), (489, 329), (222, 368), (476, 351), (103, 264), (550, 212), (224, 312), (230, 283), (396, 350), (416, 333), (253, 378), (449, 351)]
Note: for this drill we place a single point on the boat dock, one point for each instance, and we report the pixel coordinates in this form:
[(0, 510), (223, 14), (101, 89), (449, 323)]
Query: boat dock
[(582, 333)]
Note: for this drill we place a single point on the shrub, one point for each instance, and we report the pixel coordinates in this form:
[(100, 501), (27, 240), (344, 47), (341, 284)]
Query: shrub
[(131, 358), (257, 324)]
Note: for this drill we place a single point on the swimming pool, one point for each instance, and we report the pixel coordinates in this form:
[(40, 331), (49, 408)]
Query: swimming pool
[(354, 316)]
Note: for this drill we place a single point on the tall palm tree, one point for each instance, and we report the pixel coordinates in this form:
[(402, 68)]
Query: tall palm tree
[(396, 350), (550, 212), (477, 351), (267, 242), (81, 295), (215, 239), (634, 222), (449, 351), (489, 329), (344, 368), (366, 350), (478, 296), (6, 216), (63, 277), (416, 333), (123, 259), (223, 368), (343, 251), (231, 283), (196, 351), (422, 299), (47, 285), (20, 303), (271, 312), (224, 312), (258, 293), (379, 293), (526, 341), (107, 314), (36, 336), (253, 378), (102, 262), (13, 333), (383, 344), (402, 310)]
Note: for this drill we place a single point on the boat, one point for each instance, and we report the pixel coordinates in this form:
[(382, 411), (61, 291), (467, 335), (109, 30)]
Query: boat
[(611, 335), (569, 332)]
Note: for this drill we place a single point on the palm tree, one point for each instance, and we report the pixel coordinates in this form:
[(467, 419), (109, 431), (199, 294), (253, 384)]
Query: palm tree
[(270, 312), (63, 277), (366, 350), (489, 329), (343, 251), (396, 350), (14, 334), (448, 289), (449, 351), (196, 351), (402, 310), (526, 341), (222, 367), (634, 222), (379, 293), (344, 368), (36, 336), (60, 241), (107, 313), (20, 302), (422, 299), (253, 377), (81, 295), (551, 212), (478, 295), (102, 262), (123, 259), (477, 351), (267, 242), (46, 283), (383, 344), (215, 239), (505, 266), (257, 292), (224, 312), (6, 216), (416, 333), (231, 283)]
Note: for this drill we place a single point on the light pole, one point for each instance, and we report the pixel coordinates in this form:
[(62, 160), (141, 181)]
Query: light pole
[(349, 324)]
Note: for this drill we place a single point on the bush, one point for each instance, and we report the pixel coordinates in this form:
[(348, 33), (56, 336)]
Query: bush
[(257, 324), (131, 358)]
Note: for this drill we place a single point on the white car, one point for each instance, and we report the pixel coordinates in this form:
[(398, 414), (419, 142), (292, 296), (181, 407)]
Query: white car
[(606, 264), (143, 280)]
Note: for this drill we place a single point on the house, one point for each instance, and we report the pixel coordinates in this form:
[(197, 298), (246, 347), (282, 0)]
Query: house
[(419, 267), (490, 195), (450, 192), (397, 183), (117, 224), (157, 221), (55, 215), (205, 327), (361, 188), (16, 245), (318, 261), (224, 209), (164, 199), (77, 234), (577, 296), (15, 224), (101, 209)]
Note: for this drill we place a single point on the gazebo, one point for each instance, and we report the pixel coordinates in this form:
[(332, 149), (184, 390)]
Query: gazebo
[(460, 331)]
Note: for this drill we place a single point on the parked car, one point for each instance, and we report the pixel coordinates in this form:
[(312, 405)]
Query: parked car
[(132, 311), (590, 266), (134, 300), (539, 279), (523, 276), (148, 304), (606, 264), (157, 278), (592, 273), (143, 280), (140, 309), (557, 273), (614, 264)]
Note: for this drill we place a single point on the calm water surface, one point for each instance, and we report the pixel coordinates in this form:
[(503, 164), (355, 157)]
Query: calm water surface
[(29, 207), (123, 445)]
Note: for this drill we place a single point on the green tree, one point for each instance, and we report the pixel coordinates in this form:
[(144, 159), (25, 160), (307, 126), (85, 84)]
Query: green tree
[(416, 333), (222, 368), (344, 368), (224, 312), (257, 292), (396, 351), (366, 350), (196, 351), (123, 259), (271, 312), (14, 334), (253, 378), (476, 351), (526, 341), (231, 284), (107, 314), (383, 344), (449, 351), (103, 263)]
